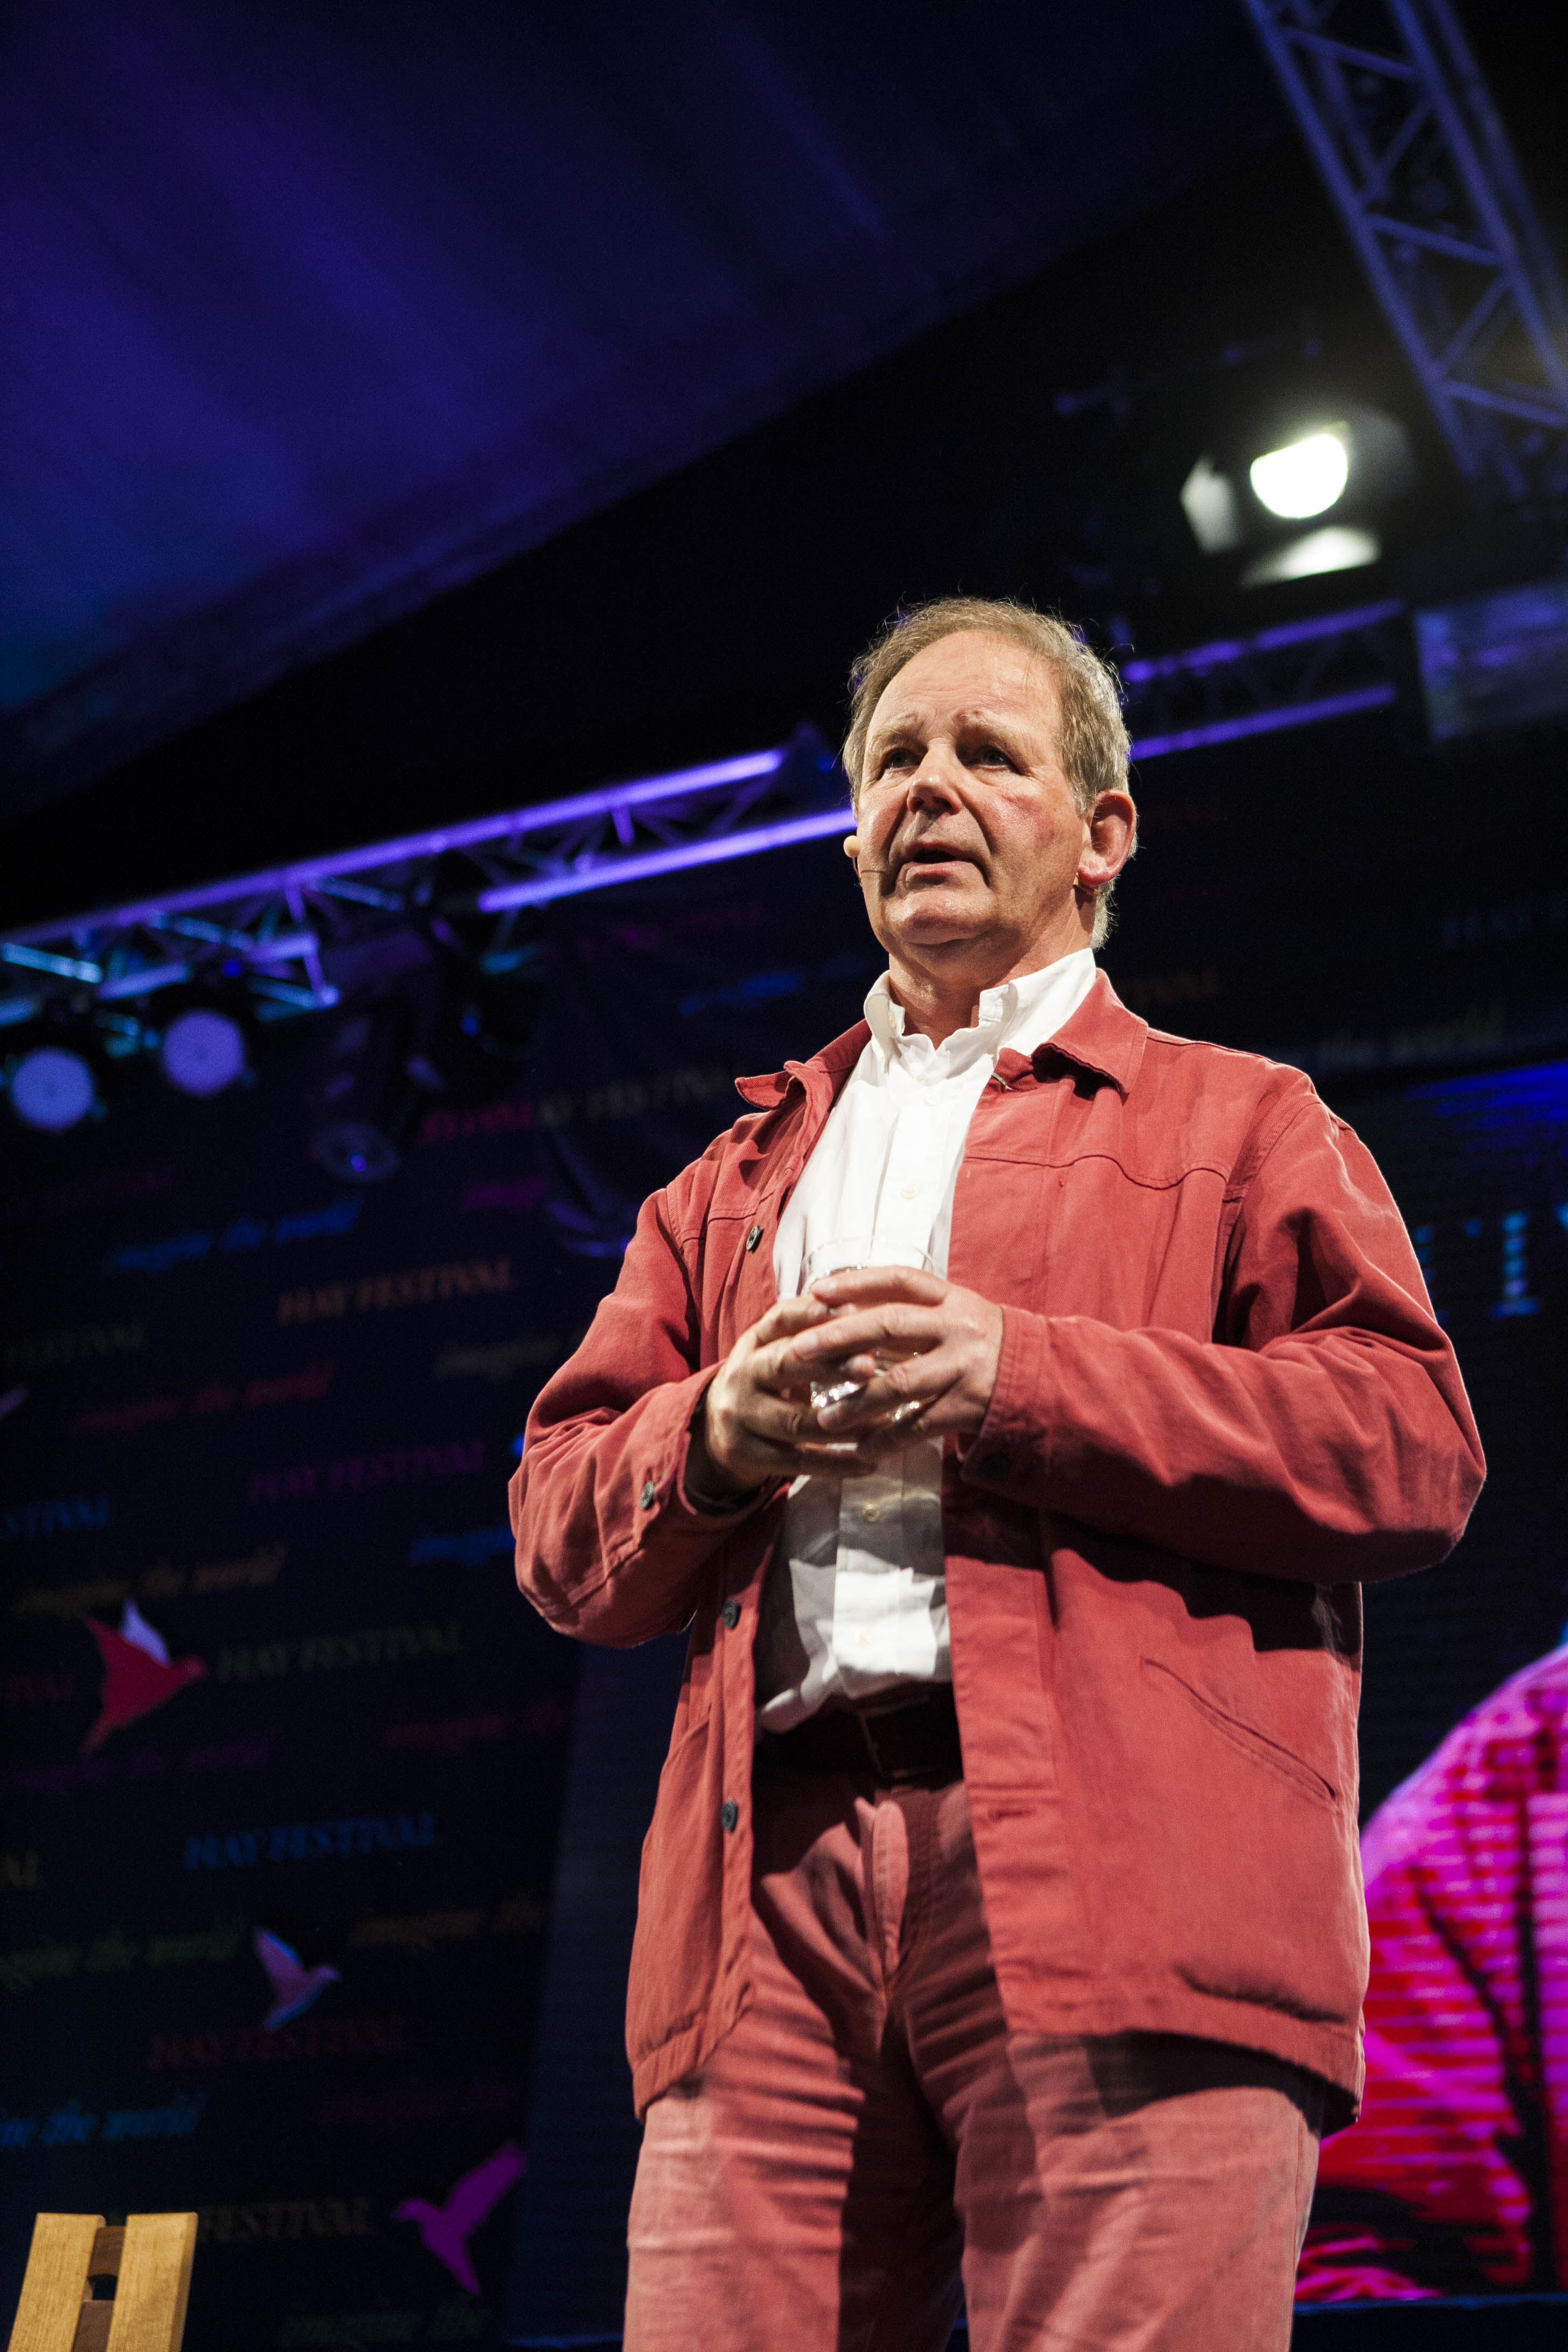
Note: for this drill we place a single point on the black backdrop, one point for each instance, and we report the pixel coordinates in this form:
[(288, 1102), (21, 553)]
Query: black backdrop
[(277, 1416)]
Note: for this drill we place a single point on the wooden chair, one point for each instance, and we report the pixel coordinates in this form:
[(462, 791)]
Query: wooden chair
[(145, 2266)]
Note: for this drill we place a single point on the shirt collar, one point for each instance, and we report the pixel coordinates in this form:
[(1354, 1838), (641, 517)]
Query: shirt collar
[(1021, 1014), (1102, 1035)]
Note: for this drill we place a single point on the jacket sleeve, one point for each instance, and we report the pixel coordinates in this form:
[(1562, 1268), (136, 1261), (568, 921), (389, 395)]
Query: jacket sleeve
[(1322, 1433), (607, 1546)]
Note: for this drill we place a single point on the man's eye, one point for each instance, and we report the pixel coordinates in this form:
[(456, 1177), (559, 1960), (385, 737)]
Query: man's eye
[(991, 755), (902, 758)]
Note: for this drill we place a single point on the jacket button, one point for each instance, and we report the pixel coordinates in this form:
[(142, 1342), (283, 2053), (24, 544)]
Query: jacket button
[(753, 1237), (729, 1813), (731, 1614), (650, 1494), (993, 1465)]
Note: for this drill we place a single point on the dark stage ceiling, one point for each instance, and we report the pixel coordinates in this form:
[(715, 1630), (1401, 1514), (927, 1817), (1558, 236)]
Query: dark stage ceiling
[(315, 311), (409, 413)]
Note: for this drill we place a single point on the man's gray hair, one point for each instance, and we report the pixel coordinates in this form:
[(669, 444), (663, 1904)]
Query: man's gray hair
[(1094, 742)]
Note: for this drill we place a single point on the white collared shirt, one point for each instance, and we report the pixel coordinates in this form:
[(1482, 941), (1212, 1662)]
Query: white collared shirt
[(856, 1599)]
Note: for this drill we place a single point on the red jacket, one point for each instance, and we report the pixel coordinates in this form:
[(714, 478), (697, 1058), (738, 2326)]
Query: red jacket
[(1222, 1400)]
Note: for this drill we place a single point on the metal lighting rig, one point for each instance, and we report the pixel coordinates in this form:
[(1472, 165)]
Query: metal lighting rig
[(1402, 128), (273, 936)]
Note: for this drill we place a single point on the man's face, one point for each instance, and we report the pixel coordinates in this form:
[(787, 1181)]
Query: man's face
[(969, 837)]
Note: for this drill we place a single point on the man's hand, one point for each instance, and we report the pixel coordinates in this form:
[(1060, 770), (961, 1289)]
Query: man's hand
[(926, 1350), (758, 1422)]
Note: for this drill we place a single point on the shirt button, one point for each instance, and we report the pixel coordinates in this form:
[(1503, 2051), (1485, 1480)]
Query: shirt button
[(731, 1614), (753, 1237), (872, 1511), (650, 1494), (931, 1097), (729, 1813), (911, 1192)]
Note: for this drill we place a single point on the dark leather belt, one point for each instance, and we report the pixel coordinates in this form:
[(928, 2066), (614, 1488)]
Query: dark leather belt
[(910, 1742)]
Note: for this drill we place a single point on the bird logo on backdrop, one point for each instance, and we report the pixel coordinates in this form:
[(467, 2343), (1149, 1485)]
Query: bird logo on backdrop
[(294, 1986), (137, 1674), (447, 2229)]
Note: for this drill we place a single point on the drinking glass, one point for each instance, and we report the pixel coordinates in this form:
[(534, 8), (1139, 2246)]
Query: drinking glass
[(848, 1254)]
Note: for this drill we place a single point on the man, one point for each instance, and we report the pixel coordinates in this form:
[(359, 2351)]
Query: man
[(1001, 1909), (1455, 2181)]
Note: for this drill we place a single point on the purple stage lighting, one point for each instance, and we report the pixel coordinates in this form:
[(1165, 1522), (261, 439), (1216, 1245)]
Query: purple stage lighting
[(1220, 653), (203, 1053), (783, 835), (1267, 722), (273, 927), (51, 1090), (33, 959)]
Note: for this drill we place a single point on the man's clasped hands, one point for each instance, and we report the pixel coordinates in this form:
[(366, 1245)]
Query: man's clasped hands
[(924, 1351)]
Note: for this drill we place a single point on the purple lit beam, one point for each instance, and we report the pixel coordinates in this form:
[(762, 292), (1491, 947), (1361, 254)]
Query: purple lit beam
[(539, 818), (1268, 722), (1225, 650), (599, 870), (603, 875), (32, 959), (600, 877), (840, 820), (144, 982)]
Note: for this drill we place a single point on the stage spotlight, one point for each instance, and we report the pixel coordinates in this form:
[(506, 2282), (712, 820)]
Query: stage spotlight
[(1335, 547), (355, 1152), (1209, 502), (1306, 477), (363, 1102), (52, 1090), (1356, 467), (202, 1053)]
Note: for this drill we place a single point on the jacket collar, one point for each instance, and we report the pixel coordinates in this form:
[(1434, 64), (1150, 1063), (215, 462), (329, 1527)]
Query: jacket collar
[(1102, 1035), (829, 1067)]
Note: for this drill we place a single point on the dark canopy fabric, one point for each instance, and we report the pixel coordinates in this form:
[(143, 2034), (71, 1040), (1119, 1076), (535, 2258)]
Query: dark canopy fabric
[(316, 309)]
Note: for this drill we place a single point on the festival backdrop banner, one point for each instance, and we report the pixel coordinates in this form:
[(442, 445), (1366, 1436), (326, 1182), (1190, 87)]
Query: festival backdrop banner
[(284, 1747), (319, 1848)]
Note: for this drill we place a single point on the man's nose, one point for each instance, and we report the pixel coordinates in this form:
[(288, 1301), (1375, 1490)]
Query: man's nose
[(931, 784)]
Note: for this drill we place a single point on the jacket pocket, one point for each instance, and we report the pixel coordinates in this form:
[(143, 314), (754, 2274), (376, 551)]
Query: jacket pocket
[(1256, 1745)]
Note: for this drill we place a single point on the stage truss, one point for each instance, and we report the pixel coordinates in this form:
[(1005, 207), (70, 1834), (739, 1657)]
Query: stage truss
[(476, 887), (1402, 128)]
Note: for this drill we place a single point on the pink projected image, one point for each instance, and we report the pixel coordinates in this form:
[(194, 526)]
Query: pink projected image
[(1456, 2178)]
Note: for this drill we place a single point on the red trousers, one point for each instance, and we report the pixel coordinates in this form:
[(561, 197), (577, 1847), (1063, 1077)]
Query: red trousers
[(870, 2142)]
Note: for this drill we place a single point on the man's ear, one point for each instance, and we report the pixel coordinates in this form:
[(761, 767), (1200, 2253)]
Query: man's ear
[(1112, 831)]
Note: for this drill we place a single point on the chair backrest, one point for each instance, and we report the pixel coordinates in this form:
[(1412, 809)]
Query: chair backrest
[(147, 2263)]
